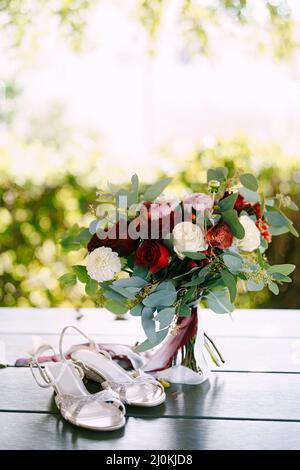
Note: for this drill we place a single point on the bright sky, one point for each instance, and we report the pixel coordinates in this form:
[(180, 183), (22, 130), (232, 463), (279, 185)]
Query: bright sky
[(140, 103)]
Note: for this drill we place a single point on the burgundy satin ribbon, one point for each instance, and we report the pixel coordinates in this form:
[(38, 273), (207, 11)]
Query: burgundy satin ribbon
[(155, 360)]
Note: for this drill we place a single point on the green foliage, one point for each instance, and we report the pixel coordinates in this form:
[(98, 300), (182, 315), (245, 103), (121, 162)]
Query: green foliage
[(228, 202), (34, 218), (17, 16), (249, 181), (196, 20), (32, 221), (277, 173), (231, 218), (219, 301), (156, 189)]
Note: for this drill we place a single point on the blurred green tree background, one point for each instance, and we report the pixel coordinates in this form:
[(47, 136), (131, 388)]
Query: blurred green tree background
[(33, 218), (36, 209)]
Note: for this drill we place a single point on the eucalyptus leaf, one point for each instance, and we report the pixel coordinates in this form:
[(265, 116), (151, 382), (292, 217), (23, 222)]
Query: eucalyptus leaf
[(166, 286), (277, 218), (110, 294), (148, 324), (81, 273), (281, 278), (249, 181), (188, 296), (134, 281), (293, 231), (68, 279), (250, 196), (146, 345), (137, 310), (194, 282), (228, 202), (165, 317), (285, 269), (231, 218), (230, 282), (133, 195), (83, 236), (233, 263), (184, 311), (254, 286), (68, 244), (218, 301), (194, 255), (218, 174), (278, 230), (91, 287), (273, 287), (156, 189), (115, 307), (160, 298), (203, 273), (128, 293), (140, 271)]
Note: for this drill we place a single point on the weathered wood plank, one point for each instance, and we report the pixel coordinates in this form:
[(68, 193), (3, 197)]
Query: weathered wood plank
[(241, 354), (227, 395), (256, 323), (22, 431), (20, 346)]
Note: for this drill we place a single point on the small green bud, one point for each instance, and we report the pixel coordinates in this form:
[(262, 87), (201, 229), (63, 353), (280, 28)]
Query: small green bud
[(213, 186)]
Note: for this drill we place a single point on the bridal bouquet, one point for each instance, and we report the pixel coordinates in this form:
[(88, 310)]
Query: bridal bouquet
[(157, 257)]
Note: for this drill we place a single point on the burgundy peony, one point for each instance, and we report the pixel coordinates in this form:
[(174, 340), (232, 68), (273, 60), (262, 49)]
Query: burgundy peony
[(220, 236), (152, 254), (124, 246)]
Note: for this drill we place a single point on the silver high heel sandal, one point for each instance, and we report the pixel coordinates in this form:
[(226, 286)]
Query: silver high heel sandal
[(102, 411), (136, 389)]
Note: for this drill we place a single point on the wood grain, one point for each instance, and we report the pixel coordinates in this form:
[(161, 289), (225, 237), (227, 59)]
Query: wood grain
[(235, 410), (227, 395), (19, 431), (256, 323), (241, 354)]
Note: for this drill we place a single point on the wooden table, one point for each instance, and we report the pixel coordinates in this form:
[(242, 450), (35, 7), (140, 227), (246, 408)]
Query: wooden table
[(252, 402)]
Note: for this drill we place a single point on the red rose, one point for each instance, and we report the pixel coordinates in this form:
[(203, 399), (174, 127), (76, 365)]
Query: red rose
[(152, 254), (117, 239), (220, 236)]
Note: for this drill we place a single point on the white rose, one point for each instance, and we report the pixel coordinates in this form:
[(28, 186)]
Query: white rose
[(251, 240), (103, 264), (188, 237)]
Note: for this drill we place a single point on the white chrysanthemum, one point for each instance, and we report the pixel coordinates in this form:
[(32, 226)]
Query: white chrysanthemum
[(188, 237), (251, 241), (103, 264)]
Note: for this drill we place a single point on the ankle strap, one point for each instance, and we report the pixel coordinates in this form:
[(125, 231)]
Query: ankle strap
[(34, 363), (93, 344)]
